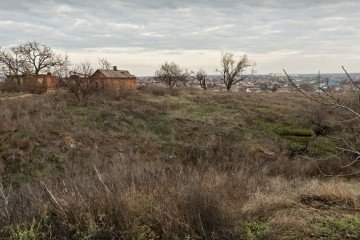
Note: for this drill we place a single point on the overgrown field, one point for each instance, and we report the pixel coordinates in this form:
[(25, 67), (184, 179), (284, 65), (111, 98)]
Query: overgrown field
[(175, 165)]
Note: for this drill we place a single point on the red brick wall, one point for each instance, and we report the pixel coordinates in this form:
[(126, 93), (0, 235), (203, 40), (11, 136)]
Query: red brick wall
[(33, 84), (115, 83), (51, 83), (118, 83)]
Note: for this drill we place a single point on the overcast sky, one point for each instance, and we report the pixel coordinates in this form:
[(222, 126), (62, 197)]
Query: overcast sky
[(138, 35)]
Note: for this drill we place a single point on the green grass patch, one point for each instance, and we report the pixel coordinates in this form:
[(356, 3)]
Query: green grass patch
[(84, 110), (323, 147), (199, 112), (337, 228), (256, 230)]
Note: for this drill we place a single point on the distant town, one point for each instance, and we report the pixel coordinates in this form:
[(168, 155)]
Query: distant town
[(274, 82)]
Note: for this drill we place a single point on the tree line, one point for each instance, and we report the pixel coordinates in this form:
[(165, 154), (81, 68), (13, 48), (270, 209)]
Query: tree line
[(34, 58), (232, 71), (31, 58)]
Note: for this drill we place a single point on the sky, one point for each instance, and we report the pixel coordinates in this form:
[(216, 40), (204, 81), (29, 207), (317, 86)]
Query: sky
[(139, 35)]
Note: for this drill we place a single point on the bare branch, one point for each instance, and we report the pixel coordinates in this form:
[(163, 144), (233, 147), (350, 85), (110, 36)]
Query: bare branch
[(5, 196), (332, 101), (233, 71), (327, 98), (52, 196), (350, 78), (171, 74), (104, 63), (202, 78)]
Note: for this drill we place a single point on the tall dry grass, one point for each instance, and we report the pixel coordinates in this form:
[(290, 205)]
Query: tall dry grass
[(124, 168)]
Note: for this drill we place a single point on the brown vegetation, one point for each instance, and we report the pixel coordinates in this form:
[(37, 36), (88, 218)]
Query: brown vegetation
[(164, 164), (348, 112)]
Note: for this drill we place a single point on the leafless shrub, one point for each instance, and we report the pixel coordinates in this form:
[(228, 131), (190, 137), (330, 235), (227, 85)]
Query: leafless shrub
[(319, 118), (121, 92), (83, 87), (84, 69), (326, 98)]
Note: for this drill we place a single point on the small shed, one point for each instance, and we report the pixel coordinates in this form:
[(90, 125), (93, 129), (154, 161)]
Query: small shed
[(114, 79)]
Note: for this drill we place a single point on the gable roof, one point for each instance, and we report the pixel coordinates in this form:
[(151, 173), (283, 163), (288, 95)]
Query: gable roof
[(115, 74)]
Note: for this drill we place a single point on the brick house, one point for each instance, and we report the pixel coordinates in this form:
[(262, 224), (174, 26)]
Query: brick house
[(114, 79), (42, 83)]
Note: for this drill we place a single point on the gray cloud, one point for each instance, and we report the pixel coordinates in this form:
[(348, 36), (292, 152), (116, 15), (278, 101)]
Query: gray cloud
[(305, 28)]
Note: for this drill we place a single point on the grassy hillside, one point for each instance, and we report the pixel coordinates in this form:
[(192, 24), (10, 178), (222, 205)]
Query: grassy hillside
[(173, 165)]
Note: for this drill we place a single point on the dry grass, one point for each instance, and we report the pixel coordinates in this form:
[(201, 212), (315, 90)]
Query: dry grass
[(190, 165)]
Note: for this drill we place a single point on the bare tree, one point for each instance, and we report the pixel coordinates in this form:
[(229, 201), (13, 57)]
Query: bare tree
[(233, 71), (12, 63), (326, 98), (84, 69), (62, 72), (81, 84), (171, 74), (104, 63), (31, 58), (41, 57), (202, 78), (82, 88)]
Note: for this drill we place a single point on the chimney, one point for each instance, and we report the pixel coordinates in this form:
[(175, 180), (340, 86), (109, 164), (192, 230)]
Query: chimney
[(115, 68)]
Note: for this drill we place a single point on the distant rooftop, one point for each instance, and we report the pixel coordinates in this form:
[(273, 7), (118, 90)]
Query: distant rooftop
[(115, 73)]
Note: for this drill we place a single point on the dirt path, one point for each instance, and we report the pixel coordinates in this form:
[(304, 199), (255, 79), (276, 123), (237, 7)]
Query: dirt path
[(16, 97)]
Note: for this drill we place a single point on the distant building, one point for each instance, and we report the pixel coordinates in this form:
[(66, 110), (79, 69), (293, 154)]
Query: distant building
[(249, 90), (277, 74), (114, 79), (42, 83)]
